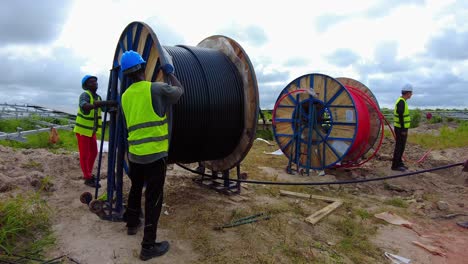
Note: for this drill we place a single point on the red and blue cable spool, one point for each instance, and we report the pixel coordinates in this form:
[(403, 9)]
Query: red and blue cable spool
[(319, 122)]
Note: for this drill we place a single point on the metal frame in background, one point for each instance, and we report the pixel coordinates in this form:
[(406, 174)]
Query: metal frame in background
[(8, 111), (17, 111)]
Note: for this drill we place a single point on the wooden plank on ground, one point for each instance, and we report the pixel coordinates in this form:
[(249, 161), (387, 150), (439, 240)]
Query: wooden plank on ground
[(317, 216), (308, 196), (295, 194)]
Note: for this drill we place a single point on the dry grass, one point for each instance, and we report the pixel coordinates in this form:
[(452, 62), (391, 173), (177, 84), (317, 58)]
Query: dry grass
[(341, 237)]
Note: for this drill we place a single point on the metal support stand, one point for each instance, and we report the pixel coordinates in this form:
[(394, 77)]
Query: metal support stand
[(223, 185), (111, 209)]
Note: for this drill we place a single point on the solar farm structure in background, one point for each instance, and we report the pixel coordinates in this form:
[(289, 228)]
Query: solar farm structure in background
[(44, 120)]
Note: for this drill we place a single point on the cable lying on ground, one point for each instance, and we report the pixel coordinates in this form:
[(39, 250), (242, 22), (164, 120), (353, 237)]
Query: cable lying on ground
[(325, 183)]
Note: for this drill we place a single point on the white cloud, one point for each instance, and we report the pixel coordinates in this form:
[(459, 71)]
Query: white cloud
[(380, 44)]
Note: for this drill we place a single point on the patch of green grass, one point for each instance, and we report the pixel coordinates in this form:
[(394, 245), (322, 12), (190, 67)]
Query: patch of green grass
[(265, 134), (41, 140), (46, 183), (415, 118), (257, 157), (448, 138), (436, 119), (67, 139), (397, 202), (292, 251), (362, 213), (24, 226), (31, 164), (355, 242)]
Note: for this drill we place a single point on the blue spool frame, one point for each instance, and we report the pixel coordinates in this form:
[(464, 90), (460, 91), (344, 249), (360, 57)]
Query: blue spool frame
[(113, 208)]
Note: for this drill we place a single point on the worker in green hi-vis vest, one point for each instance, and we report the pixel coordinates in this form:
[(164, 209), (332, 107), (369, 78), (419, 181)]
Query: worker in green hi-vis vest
[(145, 106), (88, 124), (401, 123)]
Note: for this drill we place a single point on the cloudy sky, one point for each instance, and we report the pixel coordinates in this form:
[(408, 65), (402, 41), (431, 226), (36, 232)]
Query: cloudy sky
[(47, 46)]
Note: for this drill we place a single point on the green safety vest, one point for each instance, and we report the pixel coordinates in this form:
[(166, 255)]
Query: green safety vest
[(147, 132), (406, 115), (86, 125)]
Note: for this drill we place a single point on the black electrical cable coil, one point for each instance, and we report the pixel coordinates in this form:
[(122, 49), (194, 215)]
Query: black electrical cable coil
[(208, 120)]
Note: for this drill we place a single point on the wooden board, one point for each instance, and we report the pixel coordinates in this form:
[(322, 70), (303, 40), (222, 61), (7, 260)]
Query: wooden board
[(317, 216), (239, 57)]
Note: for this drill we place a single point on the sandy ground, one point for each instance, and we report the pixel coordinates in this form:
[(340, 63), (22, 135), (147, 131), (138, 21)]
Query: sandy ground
[(88, 239)]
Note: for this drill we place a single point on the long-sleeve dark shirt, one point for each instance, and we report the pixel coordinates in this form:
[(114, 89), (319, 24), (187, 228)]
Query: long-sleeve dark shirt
[(85, 99)]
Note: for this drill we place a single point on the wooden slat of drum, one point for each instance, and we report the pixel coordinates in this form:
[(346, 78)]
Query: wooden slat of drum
[(124, 41), (141, 42), (341, 114), (292, 87), (304, 83), (330, 156), (342, 131), (319, 86), (151, 63), (134, 35), (288, 101), (317, 159), (338, 96), (343, 100), (333, 88), (284, 128), (340, 147)]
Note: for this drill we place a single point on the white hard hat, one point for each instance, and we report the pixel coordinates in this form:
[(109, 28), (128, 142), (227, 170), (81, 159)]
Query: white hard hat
[(407, 88)]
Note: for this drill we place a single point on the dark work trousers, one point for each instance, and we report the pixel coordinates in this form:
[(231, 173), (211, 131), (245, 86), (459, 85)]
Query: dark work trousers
[(401, 136), (154, 175)]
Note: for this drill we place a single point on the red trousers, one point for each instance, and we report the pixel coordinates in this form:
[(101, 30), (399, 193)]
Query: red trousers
[(88, 153)]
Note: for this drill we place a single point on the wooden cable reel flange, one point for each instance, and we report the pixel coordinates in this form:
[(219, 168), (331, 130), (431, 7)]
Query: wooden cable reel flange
[(376, 122), (140, 37)]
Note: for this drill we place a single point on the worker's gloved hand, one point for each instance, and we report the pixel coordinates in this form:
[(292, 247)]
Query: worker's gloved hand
[(109, 103), (98, 103), (168, 66)]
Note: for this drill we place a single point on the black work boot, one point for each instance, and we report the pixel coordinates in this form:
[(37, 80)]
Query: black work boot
[(132, 230), (91, 183), (156, 250)]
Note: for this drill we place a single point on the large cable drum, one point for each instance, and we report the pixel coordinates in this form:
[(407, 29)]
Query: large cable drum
[(215, 120), (319, 123), (375, 121)]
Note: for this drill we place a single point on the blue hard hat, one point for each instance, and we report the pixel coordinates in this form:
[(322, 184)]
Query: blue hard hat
[(85, 78), (131, 61)]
